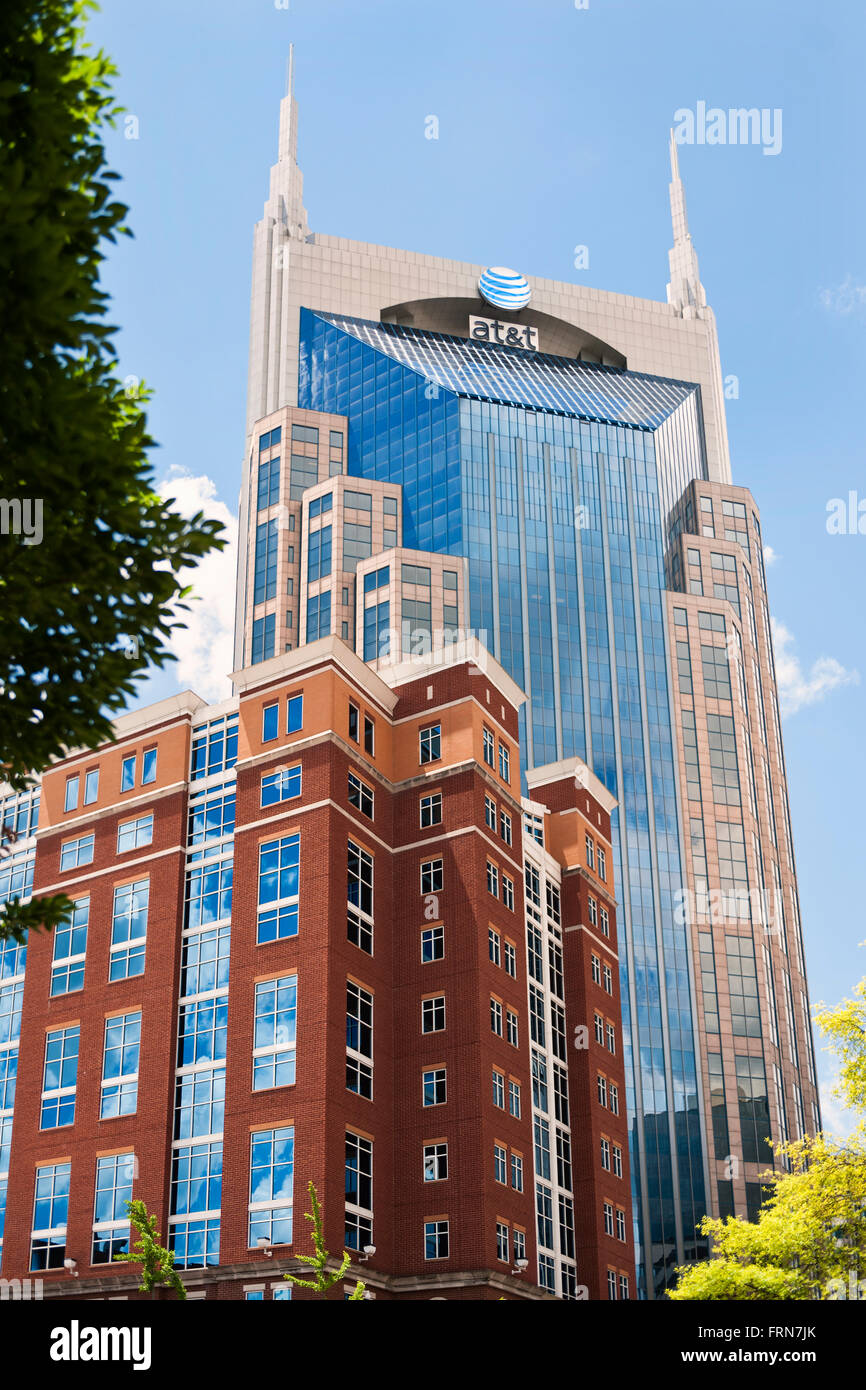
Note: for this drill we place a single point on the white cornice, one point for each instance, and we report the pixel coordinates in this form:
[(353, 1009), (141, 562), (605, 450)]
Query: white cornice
[(467, 652), (577, 770), (326, 651)]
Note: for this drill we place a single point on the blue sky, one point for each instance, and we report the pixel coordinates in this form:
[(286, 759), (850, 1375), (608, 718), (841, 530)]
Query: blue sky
[(553, 128)]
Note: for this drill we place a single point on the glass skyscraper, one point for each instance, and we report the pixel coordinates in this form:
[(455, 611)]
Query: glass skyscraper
[(555, 503), (548, 438)]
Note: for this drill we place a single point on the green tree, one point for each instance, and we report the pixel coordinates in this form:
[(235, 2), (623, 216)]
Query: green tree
[(90, 555), (809, 1241), (323, 1278), (845, 1027), (157, 1263)]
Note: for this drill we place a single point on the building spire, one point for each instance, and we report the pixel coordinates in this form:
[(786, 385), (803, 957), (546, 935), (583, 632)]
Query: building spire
[(288, 143), (685, 291), (287, 183)]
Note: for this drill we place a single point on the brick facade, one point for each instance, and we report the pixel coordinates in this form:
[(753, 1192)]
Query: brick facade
[(470, 701)]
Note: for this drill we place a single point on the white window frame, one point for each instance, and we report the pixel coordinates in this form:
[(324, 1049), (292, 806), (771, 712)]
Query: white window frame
[(280, 1049), (503, 1242), (515, 1102), (432, 1009), (496, 1017), (363, 1062), (429, 737), (118, 1224), (118, 948), (66, 963), (123, 1078), (438, 1074), (430, 803), (363, 1216), (272, 1204), (59, 1092), (508, 892), (81, 849), (436, 936), (138, 832), (279, 905), (489, 747), (433, 1156), (364, 920), (364, 793), (441, 1228), (500, 1164), (505, 763), (49, 1233), (492, 879), (283, 780)]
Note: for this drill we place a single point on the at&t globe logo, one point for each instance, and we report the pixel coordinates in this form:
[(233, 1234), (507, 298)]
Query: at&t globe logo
[(504, 288)]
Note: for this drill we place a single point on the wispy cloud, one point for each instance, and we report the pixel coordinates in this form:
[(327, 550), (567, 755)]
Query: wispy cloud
[(847, 298), (836, 1119), (204, 648), (770, 556), (798, 687)]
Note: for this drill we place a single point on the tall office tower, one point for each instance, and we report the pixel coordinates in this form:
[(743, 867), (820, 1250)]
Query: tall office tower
[(757, 1051), (546, 436), (298, 954)]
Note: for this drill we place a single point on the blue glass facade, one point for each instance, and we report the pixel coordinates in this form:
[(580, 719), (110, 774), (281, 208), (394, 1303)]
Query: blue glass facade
[(556, 505)]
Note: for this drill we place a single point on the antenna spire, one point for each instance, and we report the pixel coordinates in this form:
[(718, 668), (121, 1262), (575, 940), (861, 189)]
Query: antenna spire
[(685, 290)]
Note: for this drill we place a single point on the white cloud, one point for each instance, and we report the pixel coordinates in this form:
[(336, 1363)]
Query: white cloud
[(836, 1119), (204, 648), (770, 556), (798, 687), (847, 298)]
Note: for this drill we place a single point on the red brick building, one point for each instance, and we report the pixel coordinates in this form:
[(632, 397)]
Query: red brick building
[(319, 937)]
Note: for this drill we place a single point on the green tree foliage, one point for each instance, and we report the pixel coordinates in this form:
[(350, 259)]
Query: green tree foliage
[(845, 1027), (157, 1263), (809, 1241), (102, 578), (323, 1278)]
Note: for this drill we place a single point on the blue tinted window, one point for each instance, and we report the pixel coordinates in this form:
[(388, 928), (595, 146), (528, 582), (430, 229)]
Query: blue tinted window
[(269, 483), (272, 437), (270, 722), (376, 579), (264, 636), (295, 714), (279, 863), (319, 554), (318, 616), (281, 786), (265, 578), (377, 638)]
